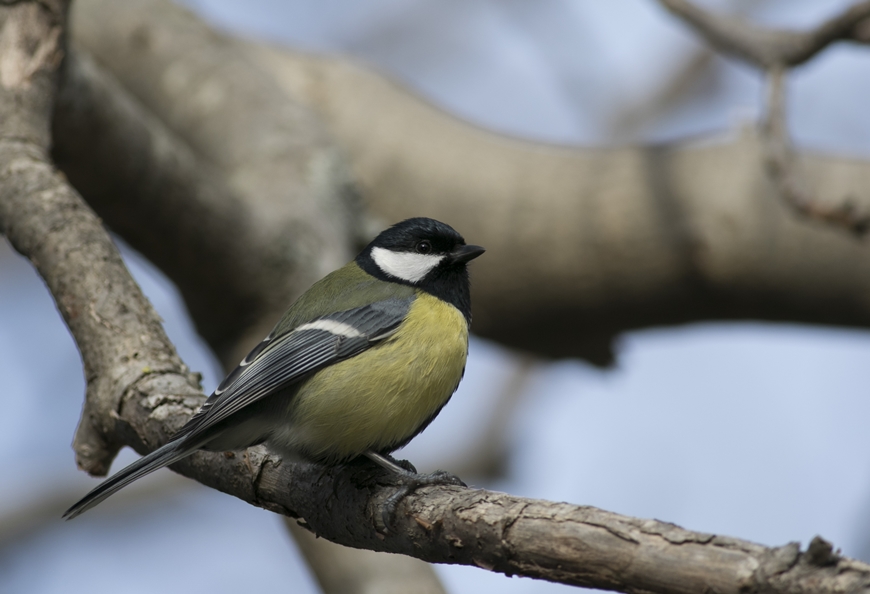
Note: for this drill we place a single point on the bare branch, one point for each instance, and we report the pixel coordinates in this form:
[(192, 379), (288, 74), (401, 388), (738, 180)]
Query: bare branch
[(776, 51), (120, 337), (570, 544), (634, 236), (781, 162), (765, 48), (113, 324), (652, 210)]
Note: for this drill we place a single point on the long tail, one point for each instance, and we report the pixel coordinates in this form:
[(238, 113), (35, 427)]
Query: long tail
[(168, 454)]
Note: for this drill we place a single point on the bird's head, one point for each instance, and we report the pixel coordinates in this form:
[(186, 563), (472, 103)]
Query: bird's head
[(418, 252)]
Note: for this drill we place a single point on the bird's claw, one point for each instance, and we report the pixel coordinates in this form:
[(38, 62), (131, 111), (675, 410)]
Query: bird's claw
[(408, 485)]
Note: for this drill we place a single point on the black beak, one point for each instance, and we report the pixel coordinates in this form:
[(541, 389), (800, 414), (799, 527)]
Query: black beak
[(466, 253)]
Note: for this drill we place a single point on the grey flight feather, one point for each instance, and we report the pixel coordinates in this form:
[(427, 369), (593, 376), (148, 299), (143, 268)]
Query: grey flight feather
[(275, 363), (159, 458), (294, 355)]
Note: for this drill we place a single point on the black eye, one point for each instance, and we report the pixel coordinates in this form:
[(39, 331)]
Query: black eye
[(424, 247)]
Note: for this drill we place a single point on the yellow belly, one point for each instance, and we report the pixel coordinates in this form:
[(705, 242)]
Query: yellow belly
[(380, 398)]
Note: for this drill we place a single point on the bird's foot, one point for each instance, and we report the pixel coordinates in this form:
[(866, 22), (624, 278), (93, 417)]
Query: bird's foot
[(409, 481), (408, 485)]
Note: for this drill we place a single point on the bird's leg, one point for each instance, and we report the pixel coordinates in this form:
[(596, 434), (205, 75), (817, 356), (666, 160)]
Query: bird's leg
[(410, 482), (400, 467)]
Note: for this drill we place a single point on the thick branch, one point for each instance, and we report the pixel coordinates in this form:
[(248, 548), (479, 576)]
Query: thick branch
[(558, 542), (554, 541), (632, 237), (164, 200), (570, 544), (120, 337), (766, 48)]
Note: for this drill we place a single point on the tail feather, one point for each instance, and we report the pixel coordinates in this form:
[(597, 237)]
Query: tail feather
[(168, 454)]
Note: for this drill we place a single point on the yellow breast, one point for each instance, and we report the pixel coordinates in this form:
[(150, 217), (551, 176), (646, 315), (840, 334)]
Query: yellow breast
[(381, 397)]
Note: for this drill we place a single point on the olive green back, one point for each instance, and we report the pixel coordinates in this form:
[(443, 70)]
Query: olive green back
[(346, 288)]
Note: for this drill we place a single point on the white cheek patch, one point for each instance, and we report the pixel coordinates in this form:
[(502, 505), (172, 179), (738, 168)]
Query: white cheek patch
[(407, 266), (337, 328)]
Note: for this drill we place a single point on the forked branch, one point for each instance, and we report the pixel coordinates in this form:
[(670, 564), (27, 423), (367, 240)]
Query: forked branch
[(775, 51)]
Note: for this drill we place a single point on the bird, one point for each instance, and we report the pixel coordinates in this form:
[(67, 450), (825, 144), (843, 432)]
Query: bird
[(359, 365)]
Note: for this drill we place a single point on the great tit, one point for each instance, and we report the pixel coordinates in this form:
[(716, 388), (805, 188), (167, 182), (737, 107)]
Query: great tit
[(359, 365)]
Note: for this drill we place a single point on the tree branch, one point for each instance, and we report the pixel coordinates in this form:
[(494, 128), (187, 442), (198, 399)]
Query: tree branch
[(299, 203), (765, 48), (781, 162), (163, 199), (122, 343), (775, 51), (172, 205), (559, 542), (634, 237)]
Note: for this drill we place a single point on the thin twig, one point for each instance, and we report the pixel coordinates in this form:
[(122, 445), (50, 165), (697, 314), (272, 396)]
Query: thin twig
[(765, 47), (782, 166)]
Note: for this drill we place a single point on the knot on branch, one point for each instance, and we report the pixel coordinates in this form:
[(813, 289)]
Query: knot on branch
[(169, 391), (821, 553)]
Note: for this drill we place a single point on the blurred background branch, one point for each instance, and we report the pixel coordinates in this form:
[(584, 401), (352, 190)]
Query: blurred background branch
[(785, 172), (768, 48), (775, 51)]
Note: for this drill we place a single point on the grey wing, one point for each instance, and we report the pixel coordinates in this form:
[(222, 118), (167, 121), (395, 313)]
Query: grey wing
[(280, 361)]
